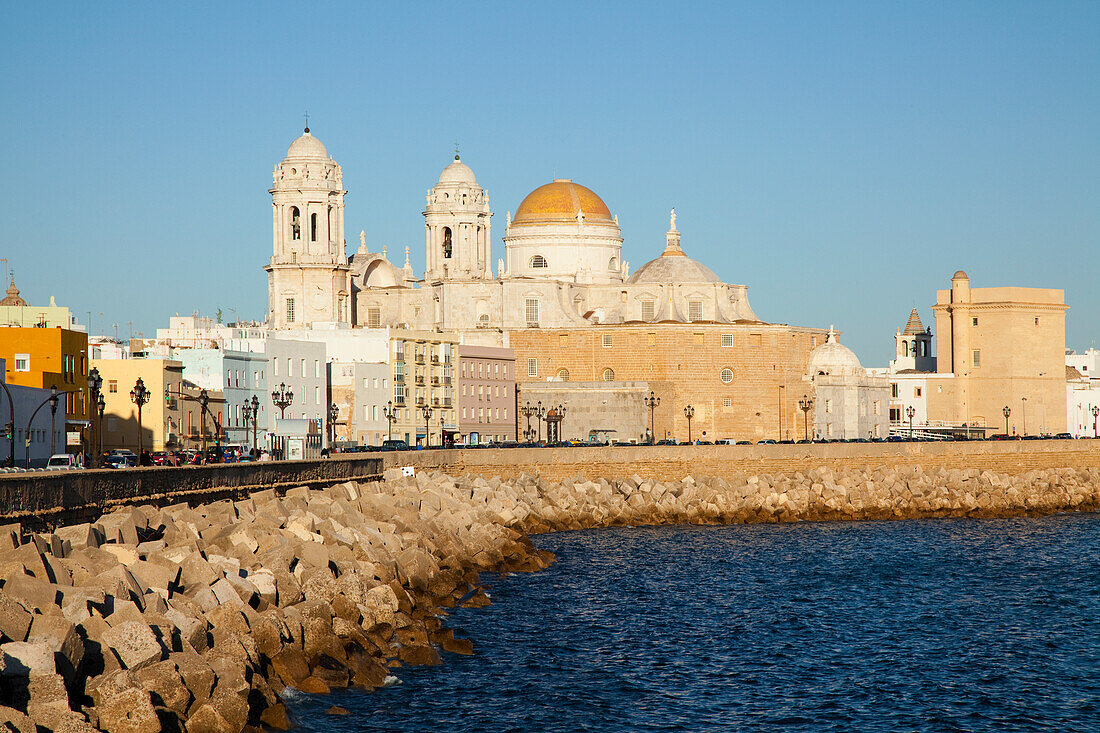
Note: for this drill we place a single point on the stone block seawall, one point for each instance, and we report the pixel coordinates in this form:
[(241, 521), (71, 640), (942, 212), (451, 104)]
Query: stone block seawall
[(676, 461), (198, 618), (64, 497)]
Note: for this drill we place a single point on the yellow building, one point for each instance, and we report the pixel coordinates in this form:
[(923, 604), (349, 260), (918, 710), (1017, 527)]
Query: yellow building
[(743, 380), (161, 417), (1005, 347), (51, 357)]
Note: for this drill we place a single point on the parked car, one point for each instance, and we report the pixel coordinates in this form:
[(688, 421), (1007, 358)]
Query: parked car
[(159, 457), (63, 462), (122, 460), (394, 444)]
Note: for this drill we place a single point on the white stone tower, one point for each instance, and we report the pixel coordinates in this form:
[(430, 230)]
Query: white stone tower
[(308, 277), (457, 227), (913, 347)]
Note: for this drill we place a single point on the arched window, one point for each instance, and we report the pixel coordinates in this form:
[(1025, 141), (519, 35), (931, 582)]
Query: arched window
[(447, 246), (539, 262), (483, 320), (563, 375), (608, 375), (726, 375), (313, 227), (905, 348), (295, 223), (613, 264)]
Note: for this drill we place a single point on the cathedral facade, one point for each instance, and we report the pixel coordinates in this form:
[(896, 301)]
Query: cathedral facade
[(563, 265)]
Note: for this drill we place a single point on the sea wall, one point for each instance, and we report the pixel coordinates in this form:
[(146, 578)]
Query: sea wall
[(668, 462), (181, 618)]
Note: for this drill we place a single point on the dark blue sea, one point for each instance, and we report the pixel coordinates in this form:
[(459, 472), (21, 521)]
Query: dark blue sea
[(937, 625)]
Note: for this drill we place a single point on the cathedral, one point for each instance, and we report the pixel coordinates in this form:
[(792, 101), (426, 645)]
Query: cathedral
[(563, 265)]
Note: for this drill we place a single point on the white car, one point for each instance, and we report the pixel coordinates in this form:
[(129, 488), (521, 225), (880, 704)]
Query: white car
[(63, 462)]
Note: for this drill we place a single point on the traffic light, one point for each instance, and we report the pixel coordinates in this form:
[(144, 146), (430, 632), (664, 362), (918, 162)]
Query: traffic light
[(8, 431)]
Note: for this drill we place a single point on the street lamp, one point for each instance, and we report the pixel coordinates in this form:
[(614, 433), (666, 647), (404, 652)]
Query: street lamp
[(140, 396), (909, 412), (689, 412), (427, 410), (806, 404), (527, 411), (651, 402), (781, 388), (251, 411), (333, 414), (391, 418), (539, 412), (1095, 411), (95, 385), (1006, 412), (10, 427), (282, 398), (52, 399), (1023, 415), (102, 405), (204, 400)]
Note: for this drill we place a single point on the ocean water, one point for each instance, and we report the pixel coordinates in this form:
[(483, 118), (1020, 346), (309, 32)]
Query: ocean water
[(937, 625)]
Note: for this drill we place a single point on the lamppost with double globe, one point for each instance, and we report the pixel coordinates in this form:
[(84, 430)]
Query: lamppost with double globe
[(1095, 412), (909, 412), (95, 438), (391, 418), (140, 395), (689, 412), (1006, 412), (651, 402), (251, 411), (427, 410), (333, 415), (806, 404), (527, 411)]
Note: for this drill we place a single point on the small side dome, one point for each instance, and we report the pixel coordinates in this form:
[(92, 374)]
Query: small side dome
[(307, 146), (833, 359), (458, 172), (12, 298), (665, 270), (959, 275)]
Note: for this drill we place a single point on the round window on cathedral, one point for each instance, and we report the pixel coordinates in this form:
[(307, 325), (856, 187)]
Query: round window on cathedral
[(563, 375), (293, 171), (726, 376), (608, 375), (539, 262)]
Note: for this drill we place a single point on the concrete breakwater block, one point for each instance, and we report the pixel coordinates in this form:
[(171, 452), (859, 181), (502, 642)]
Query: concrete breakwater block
[(197, 618)]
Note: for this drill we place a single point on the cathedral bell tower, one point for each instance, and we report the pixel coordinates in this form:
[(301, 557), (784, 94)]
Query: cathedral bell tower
[(457, 227), (308, 276)]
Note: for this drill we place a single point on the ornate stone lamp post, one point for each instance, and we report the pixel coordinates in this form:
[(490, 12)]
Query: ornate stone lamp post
[(909, 412), (1095, 411), (651, 402), (391, 418), (1006, 412), (689, 412), (553, 424), (140, 395), (806, 404), (333, 415), (52, 399), (427, 410), (282, 398), (95, 437)]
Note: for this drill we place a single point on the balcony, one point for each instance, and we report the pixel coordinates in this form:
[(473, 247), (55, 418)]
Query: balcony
[(435, 381), (446, 401), (435, 402), (446, 381), (435, 360), (420, 380), (400, 378), (419, 358), (419, 401)]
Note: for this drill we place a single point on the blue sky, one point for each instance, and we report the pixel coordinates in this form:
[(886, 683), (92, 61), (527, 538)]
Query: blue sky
[(840, 159)]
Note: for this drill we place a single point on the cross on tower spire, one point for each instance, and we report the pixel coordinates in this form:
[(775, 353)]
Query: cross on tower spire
[(307, 120), (456, 149)]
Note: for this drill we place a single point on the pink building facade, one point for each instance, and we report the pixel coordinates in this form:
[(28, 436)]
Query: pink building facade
[(486, 394)]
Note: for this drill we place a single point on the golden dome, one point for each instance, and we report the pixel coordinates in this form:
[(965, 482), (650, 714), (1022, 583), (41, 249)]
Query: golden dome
[(558, 202)]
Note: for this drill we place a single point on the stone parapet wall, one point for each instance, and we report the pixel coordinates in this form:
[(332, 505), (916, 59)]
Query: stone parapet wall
[(73, 496), (676, 461)]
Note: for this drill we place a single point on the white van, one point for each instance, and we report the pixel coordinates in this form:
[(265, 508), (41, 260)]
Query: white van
[(63, 462)]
